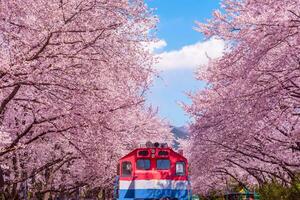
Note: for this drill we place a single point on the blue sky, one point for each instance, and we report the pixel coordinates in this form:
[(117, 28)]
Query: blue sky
[(182, 50), (177, 19)]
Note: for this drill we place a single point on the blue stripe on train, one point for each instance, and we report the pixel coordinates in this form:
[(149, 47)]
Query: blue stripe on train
[(153, 194)]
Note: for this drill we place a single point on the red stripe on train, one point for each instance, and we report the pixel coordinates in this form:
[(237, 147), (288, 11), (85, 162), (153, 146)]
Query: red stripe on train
[(154, 177)]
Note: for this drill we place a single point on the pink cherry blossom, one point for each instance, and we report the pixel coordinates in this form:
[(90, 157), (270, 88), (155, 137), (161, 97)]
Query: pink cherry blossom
[(73, 78), (246, 124)]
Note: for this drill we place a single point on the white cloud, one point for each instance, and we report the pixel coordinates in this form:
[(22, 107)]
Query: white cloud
[(155, 46), (190, 56)]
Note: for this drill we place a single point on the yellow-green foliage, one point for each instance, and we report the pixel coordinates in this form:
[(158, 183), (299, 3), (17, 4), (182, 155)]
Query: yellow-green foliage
[(274, 190)]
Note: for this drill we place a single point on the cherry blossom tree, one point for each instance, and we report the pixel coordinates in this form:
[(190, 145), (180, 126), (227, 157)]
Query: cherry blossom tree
[(73, 75), (246, 120)]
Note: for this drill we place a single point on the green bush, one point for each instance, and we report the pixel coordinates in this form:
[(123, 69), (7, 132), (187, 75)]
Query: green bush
[(275, 190), (269, 191)]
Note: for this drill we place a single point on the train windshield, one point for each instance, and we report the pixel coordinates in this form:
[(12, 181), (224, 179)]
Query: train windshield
[(180, 168), (163, 164), (126, 168), (143, 164)]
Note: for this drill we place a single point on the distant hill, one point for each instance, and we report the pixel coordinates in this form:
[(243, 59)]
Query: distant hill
[(179, 133)]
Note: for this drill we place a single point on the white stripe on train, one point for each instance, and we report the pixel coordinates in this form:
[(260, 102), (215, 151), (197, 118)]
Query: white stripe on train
[(154, 184)]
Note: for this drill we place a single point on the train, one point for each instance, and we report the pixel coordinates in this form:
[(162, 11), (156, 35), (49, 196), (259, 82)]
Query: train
[(153, 171)]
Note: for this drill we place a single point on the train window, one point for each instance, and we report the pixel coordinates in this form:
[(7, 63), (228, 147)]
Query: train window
[(180, 168), (126, 168), (143, 153), (163, 153), (163, 164), (143, 164)]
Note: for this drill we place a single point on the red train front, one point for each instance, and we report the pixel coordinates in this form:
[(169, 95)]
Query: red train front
[(153, 172)]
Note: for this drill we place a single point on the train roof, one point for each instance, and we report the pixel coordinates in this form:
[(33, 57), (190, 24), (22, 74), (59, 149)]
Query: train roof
[(172, 152)]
